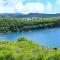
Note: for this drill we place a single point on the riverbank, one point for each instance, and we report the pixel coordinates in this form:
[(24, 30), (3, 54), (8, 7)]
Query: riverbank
[(27, 24), (25, 49)]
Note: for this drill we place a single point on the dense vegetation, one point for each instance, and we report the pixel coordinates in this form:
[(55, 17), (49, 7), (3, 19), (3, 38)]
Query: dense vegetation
[(20, 24), (25, 49)]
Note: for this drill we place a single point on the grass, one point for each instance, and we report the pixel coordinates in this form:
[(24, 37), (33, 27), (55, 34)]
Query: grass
[(24, 49)]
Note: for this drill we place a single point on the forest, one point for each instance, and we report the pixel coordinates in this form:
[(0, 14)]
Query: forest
[(26, 24)]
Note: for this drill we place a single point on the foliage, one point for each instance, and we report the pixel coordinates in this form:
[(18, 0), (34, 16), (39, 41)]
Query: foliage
[(26, 50), (20, 24)]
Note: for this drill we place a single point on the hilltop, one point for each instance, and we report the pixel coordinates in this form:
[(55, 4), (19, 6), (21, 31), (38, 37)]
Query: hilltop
[(30, 15)]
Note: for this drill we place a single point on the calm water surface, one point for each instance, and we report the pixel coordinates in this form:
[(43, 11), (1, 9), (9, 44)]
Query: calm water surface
[(45, 37)]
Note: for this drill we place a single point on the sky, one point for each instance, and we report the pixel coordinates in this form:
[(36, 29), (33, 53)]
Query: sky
[(30, 6)]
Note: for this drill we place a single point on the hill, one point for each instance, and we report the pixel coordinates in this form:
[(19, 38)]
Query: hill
[(30, 15), (24, 49)]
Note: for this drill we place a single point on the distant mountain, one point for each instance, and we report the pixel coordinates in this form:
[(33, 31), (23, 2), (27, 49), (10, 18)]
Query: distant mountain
[(19, 15)]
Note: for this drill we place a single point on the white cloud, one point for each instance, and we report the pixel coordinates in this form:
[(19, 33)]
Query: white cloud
[(9, 7), (58, 2), (30, 7), (57, 6), (49, 7), (1, 9), (19, 7), (9, 10), (34, 7), (14, 6)]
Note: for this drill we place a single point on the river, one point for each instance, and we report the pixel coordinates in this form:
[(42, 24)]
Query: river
[(45, 37)]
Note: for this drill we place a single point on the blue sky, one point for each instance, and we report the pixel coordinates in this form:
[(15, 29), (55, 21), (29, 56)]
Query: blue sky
[(30, 6)]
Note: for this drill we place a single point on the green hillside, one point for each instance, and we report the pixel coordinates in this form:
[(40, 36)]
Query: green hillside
[(25, 49)]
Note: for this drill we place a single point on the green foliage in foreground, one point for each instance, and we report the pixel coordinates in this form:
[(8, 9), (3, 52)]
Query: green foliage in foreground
[(23, 49), (20, 24)]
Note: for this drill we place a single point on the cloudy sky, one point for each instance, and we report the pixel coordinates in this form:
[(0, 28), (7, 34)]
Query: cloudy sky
[(30, 6)]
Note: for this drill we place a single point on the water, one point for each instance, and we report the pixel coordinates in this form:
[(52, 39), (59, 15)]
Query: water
[(45, 37)]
